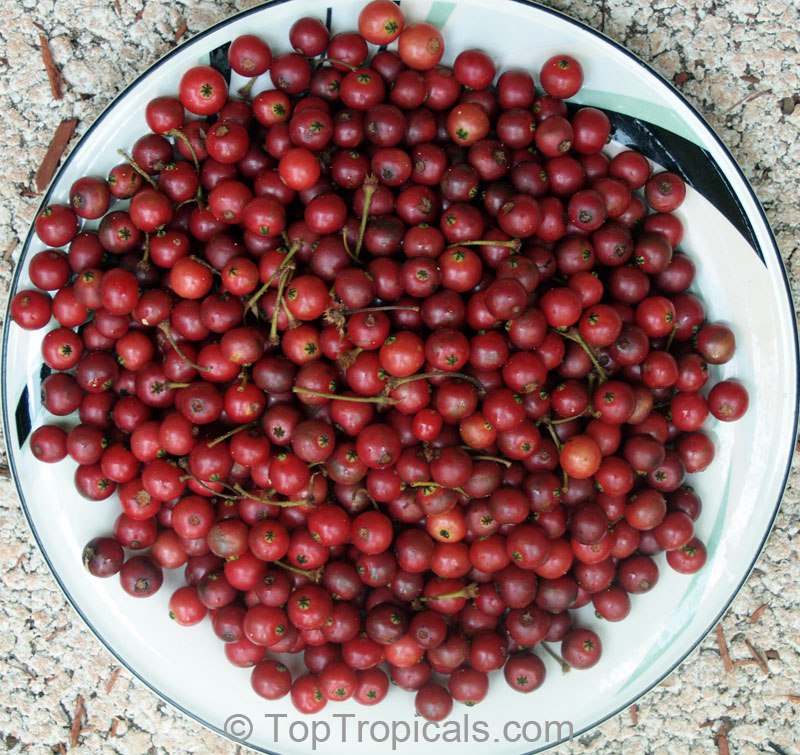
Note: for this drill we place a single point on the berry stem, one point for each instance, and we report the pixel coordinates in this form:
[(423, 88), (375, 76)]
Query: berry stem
[(347, 245), (432, 484), (484, 457), (564, 420), (379, 400), (230, 433), (205, 264), (469, 591), (251, 302), (370, 187), (394, 383), (565, 669), (144, 263), (178, 134), (286, 504), (244, 91), (549, 425), (671, 337), (574, 335), (591, 379), (216, 493), (315, 575), (244, 494), (165, 329), (291, 318), (339, 62), (513, 244), (388, 308), (282, 281), (143, 173)]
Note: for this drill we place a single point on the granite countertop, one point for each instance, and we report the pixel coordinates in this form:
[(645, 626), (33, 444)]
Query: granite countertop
[(738, 62)]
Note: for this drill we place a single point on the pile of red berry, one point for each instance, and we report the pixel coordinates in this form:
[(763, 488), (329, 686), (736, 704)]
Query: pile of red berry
[(391, 357)]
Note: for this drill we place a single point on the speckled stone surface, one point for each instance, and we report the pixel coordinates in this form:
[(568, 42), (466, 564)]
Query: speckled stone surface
[(737, 62)]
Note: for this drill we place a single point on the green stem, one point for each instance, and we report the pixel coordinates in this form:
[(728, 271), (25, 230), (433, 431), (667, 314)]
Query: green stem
[(370, 187), (230, 433), (671, 337), (391, 308), (209, 489), (573, 335), (591, 379), (549, 425), (565, 668), (251, 302), (432, 484), (470, 591), (244, 91), (273, 329), (340, 62), (315, 575), (289, 316), (347, 245), (379, 400), (484, 457), (394, 383), (165, 329), (205, 264), (564, 420), (250, 494), (137, 168), (178, 134), (245, 494), (143, 263), (514, 244), (287, 504)]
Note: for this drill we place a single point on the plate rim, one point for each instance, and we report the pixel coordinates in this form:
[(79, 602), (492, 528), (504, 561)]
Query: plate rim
[(535, 6)]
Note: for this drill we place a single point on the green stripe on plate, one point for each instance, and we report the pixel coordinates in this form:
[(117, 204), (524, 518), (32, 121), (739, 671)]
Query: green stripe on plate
[(638, 108), (439, 13)]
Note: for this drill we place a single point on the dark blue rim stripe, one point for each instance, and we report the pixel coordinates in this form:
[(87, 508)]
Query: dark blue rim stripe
[(26, 407), (536, 6), (218, 58), (690, 161)]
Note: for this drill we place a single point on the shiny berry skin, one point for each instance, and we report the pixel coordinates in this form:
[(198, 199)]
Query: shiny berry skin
[(249, 55), (30, 309), (56, 225), (561, 76), (421, 46), (728, 400), (203, 90), (380, 22)]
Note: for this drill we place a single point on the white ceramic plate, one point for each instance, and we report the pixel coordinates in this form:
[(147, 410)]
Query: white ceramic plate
[(742, 280)]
